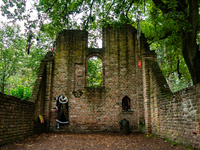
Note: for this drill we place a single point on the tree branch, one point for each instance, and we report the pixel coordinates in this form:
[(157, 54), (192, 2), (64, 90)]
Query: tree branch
[(89, 15), (122, 8), (161, 6), (164, 8), (51, 6), (129, 8), (178, 71), (110, 8), (161, 38), (182, 5)]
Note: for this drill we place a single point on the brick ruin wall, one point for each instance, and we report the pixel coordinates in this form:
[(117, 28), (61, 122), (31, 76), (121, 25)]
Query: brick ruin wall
[(175, 116), (154, 109), (17, 119), (98, 109)]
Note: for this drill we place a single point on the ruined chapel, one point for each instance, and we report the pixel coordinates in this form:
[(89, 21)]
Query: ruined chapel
[(133, 88), (129, 72)]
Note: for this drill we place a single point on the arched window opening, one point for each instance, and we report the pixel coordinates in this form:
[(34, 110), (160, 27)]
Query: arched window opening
[(126, 105), (94, 72)]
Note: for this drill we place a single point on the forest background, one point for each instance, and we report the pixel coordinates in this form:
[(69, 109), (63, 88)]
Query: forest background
[(172, 28)]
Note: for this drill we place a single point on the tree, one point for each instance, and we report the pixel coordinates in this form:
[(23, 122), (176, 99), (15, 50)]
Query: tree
[(184, 14), (177, 20), (94, 72), (172, 64), (18, 69), (11, 48), (20, 84)]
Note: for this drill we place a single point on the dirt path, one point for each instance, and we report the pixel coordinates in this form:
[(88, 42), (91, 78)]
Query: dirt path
[(105, 141)]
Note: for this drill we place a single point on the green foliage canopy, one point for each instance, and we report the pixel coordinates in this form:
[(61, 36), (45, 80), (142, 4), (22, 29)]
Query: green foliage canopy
[(11, 52), (18, 69), (94, 72), (171, 27)]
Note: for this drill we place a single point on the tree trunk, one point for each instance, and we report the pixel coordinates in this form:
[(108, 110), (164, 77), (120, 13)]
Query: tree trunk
[(3, 83), (190, 48)]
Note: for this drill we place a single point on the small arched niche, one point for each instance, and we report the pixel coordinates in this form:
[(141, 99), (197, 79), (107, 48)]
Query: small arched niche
[(94, 73), (126, 104)]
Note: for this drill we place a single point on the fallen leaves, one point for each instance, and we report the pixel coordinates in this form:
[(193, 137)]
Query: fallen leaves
[(105, 141)]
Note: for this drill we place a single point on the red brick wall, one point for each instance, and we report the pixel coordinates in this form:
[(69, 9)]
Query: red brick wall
[(174, 116), (98, 109), (17, 119), (154, 109), (179, 116), (42, 90)]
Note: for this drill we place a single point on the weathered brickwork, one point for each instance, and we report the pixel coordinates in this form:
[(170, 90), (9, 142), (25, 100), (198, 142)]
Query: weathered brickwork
[(98, 109), (129, 69), (17, 119), (174, 116), (179, 116), (42, 91)]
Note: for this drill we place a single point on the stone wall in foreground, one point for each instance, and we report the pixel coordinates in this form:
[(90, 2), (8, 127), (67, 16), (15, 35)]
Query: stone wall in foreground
[(17, 119), (172, 116), (179, 116), (176, 116)]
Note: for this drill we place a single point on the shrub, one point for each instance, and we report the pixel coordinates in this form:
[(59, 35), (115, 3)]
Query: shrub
[(21, 92)]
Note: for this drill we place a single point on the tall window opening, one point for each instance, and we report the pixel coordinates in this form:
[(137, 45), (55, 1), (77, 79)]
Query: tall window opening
[(94, 72), (126, 105)]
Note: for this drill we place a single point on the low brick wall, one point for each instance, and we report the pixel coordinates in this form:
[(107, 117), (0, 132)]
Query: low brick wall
[(178, 117), (172, 116), (17, 119)]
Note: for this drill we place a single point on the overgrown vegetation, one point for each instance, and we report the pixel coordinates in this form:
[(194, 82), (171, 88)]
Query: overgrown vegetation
[(21, 92), (94, 72), (171, 27), (18, 69)]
